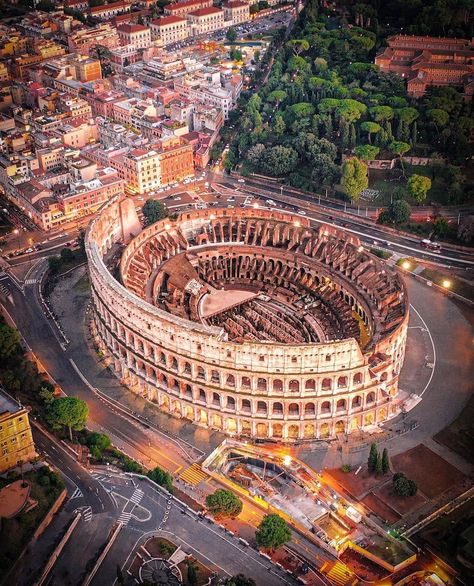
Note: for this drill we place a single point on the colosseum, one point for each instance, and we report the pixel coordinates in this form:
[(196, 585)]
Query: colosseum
[(248, 321)]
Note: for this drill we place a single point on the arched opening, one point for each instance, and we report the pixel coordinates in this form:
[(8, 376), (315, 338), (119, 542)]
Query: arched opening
[(341, 405), (382, 415), (216, 399), (356, 423), (370, 398), (216, 421), (308, 431), (176, 407), (231, 403), (369, 419), (246, 382), (342, 382), (293, 409), (246, 406), (324, 430), (231, 425), (246, 427), (277, 386), (294, 386), (262, 430), (174, 364), (188, 392), (325, 407), (384, 376), (309, 409), (187, 369), (356, 402), (277, 430), (277, 409), (293, 432), (310, 385), (165, 403), (201, 373), (261, 407), (262, 385), (202, 396), (189, 412), (215, 377), (358, 378), (340, 427), (326, 385), (230, 382)]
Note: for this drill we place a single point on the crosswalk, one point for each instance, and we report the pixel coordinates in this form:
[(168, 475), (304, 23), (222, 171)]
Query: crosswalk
[(76, 494), (124, 517), (4, 290), (193, 475), (86, 513), (137, 496), (31, 281)]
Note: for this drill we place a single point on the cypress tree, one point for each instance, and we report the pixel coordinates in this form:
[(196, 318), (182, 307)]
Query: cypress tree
[(378, 466), (385, 461), (373, 457), (414, 133)]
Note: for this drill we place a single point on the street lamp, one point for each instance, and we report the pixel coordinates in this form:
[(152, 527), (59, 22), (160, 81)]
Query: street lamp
[(446, 283), (406, 265), (287, 460)]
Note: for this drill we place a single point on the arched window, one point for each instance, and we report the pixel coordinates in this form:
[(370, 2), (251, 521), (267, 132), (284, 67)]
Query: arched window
[(277, 386), (309, 409), (326, 407), (230, 403), (188, 392), (201, 373), (358, 378), (294, 386), (246, 405), (246, 382), (187, 368), (262, 384), (356, 402), (326, 385), (216, 399), (341, 405), (230, 382), (174, 364), (277, 408), (293, 409), (310, 385), (370, 397), (202, 395), (261, 407), (342, 382), (215, 377)]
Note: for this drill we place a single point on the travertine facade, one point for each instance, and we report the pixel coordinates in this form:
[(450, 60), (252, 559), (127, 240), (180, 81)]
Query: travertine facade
[(314, 349)]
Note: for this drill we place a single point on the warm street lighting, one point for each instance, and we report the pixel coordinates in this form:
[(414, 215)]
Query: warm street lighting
[(255, 205), (297, 224), (446, 283), (287, 460), (406, 265)]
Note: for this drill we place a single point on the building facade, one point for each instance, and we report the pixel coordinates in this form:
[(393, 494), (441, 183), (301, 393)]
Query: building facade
[(289, 363), (205, 20), (169, 29), (16, 441)]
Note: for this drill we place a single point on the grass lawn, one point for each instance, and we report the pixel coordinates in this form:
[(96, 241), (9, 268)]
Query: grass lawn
[(15, 533)]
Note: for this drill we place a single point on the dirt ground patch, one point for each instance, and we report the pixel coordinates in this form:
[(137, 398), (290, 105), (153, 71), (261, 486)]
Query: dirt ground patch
[(378, 507), (459, 436), (431, 472), (358, 485), (401, 505)]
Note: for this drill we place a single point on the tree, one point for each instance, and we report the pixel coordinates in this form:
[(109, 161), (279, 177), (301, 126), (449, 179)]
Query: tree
[(402, 486), (378, 466), (297, 64), (278, 160), (273, 532), (371, 128), (192, 574), (367, 152), (418, 187), (98, 442), (399, 148), (239, 580), (69, 412), (324, 170), (9, 342), (373, 457), (276, 97), (441, 227), (162, 478), (381, 113), (385, 461), (354, 177), (231, 34), (398, 212), (54, 264), (67, 255), (154, 211), (224, 503), (298, 45)]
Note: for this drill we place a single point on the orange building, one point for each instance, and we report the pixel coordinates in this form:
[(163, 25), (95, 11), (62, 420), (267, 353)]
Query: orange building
[(176, 158), (430, 61)]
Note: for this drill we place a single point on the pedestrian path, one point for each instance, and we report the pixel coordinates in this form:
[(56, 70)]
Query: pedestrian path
[(76, 494), (87, 514), (31, 281), (340, 575), (137, 496), (193, 475)]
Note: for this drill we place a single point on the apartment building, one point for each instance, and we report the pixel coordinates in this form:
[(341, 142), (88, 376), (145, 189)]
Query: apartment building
[(107, 11), (236, 11), (205, 20), (136, 35), (85, 39), (46, 50), (207, 94), (87, 69), (183, 8), (169, 29), (16, 441)]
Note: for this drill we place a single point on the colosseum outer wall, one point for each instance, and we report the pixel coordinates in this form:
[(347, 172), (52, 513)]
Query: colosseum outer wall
[(281, 391)]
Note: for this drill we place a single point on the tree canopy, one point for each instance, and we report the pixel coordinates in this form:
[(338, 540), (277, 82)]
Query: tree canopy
[(154, 211), (273, 532), (162, 478), (69, 412), (354, 177), (398, 212), (224, 503), (418, 187)]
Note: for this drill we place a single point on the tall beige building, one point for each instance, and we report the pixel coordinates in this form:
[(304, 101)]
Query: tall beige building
[(16, 440)]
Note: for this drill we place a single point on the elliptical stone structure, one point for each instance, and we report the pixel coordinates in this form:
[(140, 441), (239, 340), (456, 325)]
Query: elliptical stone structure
[(248, 321)]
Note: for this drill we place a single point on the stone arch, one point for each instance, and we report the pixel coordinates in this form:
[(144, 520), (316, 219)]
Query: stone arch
[(202, 416), (382, 414), (231, 425), (310, 385), (370, 398), (277, 386), (356, 422), (216, 399), (202, 395), (188, 392), (341, 405), (357, 380), (262, 430), (262, 407), (324, 430), (262, 384), (325, 407), (246, 427), (176, 407), (369, 419), (356, 402), (216, 421), (308, 431), (293, 409), (230, 403), (189, 412), (342, 382), (277, 408), (326, 384), (201, 373), (246, 406), (277, 430), (174, 364), (246, 384), (294, 386), (165, 402), (340, 427), (293, 431), (309, 409), (230, 381)]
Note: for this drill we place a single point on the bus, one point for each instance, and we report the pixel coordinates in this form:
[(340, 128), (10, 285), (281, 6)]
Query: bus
[(433, 246)]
